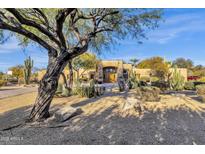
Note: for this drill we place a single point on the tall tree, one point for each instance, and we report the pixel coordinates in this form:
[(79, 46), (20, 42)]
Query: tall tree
[(67, 33), (1, 75), (134, 61), (159, 66), (17, 71), (85, 61), (183, 63)]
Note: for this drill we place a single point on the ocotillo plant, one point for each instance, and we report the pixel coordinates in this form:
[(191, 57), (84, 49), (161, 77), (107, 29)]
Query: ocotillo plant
[(28, 65)]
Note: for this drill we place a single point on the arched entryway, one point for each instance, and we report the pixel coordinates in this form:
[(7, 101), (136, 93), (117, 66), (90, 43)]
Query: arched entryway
[(109, 74)]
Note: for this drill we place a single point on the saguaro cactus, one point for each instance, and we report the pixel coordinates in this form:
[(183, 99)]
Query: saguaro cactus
[(28, 65)]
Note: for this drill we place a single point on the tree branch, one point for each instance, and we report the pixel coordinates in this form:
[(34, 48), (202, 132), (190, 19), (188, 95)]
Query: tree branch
[(60, 19), (26, 33), (43, 16), (31, 23)]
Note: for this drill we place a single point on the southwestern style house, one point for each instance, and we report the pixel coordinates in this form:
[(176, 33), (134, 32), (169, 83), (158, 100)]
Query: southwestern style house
[(108, 71)]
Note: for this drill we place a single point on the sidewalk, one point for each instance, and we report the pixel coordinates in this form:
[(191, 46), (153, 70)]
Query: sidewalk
[(13, 91)]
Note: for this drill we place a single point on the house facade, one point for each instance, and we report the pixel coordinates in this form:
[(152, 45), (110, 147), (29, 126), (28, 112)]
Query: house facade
[(108, 71)]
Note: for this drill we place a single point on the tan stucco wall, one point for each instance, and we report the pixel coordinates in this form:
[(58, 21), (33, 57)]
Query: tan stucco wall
[(115, 63), (127, 67), (108, 63), (142, 72), (183, 72), (146, 72)]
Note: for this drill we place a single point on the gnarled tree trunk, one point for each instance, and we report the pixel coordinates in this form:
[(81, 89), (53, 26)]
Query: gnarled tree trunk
[(47, 88), (70, 82)]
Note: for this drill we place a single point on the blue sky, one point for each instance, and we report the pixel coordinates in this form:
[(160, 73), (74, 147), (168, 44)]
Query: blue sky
[(182, 34)]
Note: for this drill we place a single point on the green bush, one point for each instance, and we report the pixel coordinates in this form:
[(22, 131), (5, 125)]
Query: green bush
[(60, 88), (85, 90), (189, 86), (162, 85), (202, 79), (132, 81), (200, 89), (65, 92), (154, 79), (2, 83), (149, 93), (145, 79)]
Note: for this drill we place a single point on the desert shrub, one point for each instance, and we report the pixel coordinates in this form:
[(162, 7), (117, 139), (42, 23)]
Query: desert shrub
[(189, 86), (177, 80), (154, 79), (200, 89), (149, 93), (65, 91), (21, 81), (59, 88), (202, 79), (162, 85), (145, 79), (86, 90), (132, 81), (142, 83), (2, 83)]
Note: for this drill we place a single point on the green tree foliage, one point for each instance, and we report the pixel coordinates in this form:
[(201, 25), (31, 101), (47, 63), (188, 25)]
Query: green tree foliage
[(1, 75), (198, 70), (159, 67), (17, 71), (85, 61), (183, 63), (134, 61)]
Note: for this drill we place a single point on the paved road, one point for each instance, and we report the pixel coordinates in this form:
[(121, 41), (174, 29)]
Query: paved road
[(13, 91)]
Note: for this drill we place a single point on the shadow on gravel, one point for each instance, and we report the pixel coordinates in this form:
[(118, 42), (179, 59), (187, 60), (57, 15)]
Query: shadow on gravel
[(172, 126)]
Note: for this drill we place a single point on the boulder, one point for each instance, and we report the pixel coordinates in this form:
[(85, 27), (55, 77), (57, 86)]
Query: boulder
[(130, 103), (64, 114)]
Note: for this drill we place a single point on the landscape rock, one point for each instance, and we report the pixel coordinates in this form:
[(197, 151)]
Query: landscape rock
[(130, 103), (64, 114)]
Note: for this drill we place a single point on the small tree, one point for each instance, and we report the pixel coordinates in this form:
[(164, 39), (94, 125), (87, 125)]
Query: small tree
[(85, 61), (159, 67), (1, 75), (183, 63), (17, 71)]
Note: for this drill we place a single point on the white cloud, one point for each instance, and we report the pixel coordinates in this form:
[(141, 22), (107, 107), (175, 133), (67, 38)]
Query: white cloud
[(9, 47), (174, 26)]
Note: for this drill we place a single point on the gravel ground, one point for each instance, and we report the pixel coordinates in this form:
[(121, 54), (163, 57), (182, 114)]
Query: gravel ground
[(171, 121)]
